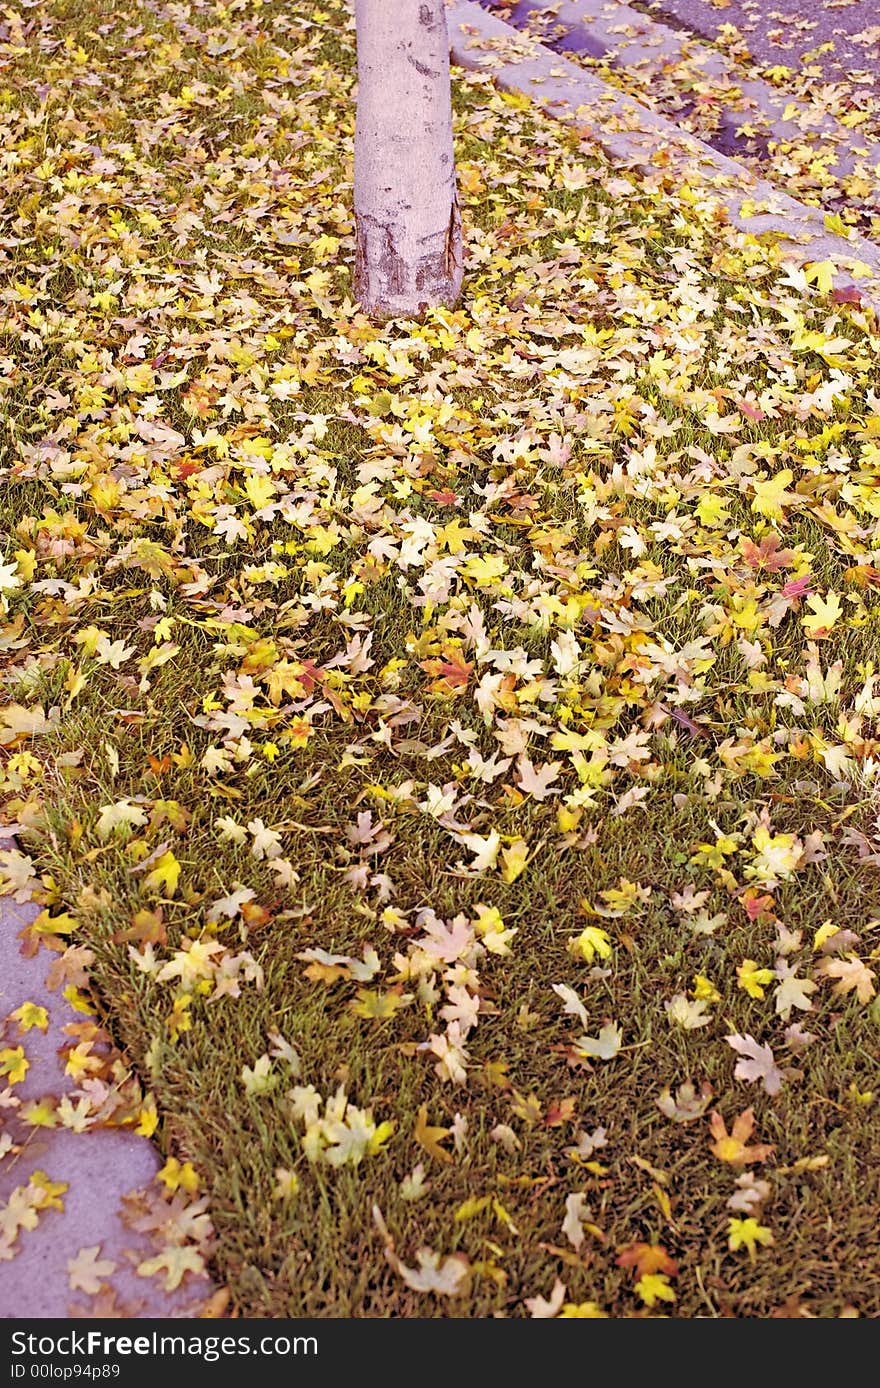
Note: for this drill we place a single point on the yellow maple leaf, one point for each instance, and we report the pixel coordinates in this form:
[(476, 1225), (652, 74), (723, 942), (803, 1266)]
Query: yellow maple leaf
[(148, 1118), (179, 1176), (62, 924), (473, 1205), (14, 1065), (45, 1194), (753, 979), (175, 1261), (582, 1310), (80, 1061), (514, 859), (748, 1233), (30, 1015), (42, 1113), (484, 569), (777, 856), (825, 612), (260, 490), (324, 247), (705, 990), (78, 1001), (821, 273), (379, 1003), (770, 494), (653, 1287), (732, 1147), (591, 942), (165, 874)]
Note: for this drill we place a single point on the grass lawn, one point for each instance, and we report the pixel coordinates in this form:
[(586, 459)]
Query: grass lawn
[(447, 753)]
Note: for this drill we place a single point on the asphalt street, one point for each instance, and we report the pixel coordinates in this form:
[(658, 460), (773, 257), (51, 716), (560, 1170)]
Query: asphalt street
[(840, 39)]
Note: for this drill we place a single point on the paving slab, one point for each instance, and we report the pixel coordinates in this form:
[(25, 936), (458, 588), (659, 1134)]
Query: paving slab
[(99, 1167)]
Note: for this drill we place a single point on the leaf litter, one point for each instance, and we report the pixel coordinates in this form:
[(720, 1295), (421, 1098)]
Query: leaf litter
[(364, 686)]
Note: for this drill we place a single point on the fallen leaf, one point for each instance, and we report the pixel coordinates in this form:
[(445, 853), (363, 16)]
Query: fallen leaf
[(732, 1147), (431, 1137), (686, 1104), (87, 1271), (756, 1063)]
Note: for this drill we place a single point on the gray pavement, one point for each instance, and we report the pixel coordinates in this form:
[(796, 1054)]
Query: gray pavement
[(85, 1175)]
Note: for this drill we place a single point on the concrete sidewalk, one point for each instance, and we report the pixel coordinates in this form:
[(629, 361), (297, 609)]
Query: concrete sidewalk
[(61, 1191)]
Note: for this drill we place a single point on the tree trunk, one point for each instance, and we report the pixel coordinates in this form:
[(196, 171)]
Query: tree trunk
[(409, 253)]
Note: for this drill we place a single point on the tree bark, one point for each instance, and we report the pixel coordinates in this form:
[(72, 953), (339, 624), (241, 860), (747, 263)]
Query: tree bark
[(409, 251)]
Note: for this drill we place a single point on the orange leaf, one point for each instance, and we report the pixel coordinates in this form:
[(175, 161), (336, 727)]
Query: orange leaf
[(646, 1258), (731, 1147)]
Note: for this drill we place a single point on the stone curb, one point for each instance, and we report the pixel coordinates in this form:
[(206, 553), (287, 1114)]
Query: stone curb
[(635, 136)]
